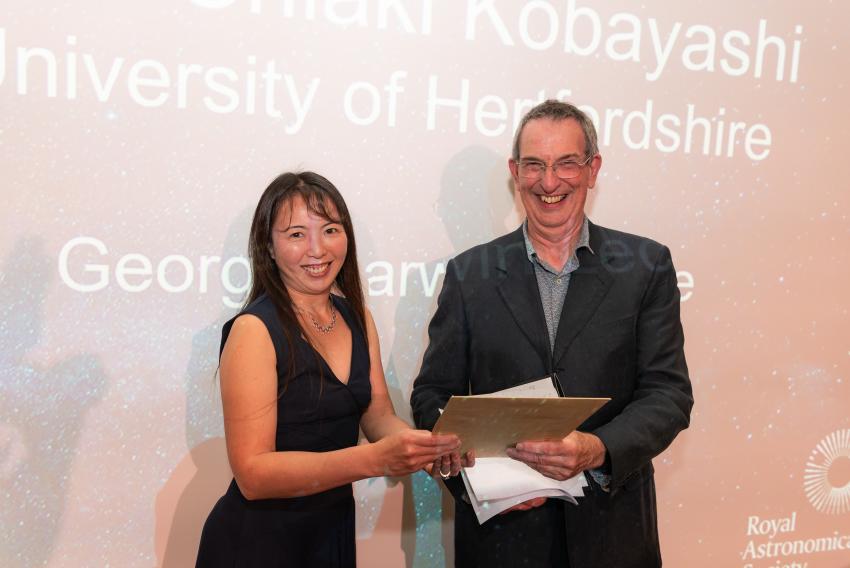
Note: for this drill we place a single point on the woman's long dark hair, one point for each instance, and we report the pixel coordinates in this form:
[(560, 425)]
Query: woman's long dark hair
[(317, 193)]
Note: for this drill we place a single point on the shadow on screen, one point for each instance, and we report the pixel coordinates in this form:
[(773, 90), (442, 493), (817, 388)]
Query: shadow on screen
[(42, 411), (475, 202), (201, 478), (183, 504)]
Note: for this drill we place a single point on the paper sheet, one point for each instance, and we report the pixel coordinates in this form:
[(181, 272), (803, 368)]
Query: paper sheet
[(496, 484)]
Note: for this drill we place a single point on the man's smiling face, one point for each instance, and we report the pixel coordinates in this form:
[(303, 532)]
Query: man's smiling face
[(552, 202)]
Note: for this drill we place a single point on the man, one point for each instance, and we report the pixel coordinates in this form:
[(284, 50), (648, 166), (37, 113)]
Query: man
[(595, 308)]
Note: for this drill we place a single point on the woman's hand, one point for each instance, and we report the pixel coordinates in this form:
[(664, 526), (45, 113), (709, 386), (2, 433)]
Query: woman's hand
[(408, 451), (449, 465)]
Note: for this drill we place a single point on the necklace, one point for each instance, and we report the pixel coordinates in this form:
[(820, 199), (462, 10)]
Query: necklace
[(325, 328)]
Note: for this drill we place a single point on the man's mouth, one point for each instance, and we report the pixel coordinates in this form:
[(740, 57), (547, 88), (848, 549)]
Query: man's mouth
[(551, 198), (317, 269)]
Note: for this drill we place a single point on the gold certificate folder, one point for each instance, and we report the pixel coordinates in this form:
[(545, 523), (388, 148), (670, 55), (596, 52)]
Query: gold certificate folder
[(489, 424)]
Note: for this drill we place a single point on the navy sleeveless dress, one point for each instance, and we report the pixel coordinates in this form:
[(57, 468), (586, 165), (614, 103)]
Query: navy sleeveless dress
[(315, 413)]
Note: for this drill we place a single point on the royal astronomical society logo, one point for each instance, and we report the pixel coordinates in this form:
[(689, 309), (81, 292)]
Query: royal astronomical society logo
[(827, 476)]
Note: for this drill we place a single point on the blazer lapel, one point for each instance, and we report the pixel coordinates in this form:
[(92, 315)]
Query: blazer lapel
[(519, 291), (588, 286)]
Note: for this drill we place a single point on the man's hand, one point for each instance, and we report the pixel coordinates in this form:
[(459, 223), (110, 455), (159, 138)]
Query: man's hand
[(561, 459), (526, 505)]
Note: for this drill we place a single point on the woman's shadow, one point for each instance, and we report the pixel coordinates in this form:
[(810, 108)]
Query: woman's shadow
[(202, 476)]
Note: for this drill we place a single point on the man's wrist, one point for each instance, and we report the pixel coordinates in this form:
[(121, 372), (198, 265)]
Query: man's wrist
[(599, 453)]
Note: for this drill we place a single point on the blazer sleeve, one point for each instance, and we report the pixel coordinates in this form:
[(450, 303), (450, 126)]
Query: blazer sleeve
[(662, 399), (444, 366)]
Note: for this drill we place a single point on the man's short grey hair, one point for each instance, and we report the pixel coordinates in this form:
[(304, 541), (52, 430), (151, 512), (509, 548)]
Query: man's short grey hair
[(557, 110)]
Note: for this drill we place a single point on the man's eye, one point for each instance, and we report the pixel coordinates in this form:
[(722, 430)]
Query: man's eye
[(567, 167)]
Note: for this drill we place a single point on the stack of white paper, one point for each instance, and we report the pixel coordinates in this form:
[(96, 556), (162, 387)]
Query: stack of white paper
[(497, 484)]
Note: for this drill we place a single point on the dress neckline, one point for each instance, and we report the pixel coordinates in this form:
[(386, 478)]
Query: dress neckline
[(338, 305)]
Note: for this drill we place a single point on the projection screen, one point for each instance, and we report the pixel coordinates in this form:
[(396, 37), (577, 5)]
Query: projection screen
[(137, 137)]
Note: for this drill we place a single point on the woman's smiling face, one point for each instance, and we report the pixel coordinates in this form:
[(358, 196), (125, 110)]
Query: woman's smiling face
[(309, 250)]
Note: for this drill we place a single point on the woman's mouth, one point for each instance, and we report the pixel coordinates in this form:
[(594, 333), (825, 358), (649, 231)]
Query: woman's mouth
[(317, 269)]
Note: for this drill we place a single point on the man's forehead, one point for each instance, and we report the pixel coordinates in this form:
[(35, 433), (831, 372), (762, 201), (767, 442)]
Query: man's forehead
[(569, 127)]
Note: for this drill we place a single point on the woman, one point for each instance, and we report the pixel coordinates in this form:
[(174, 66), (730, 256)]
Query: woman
[(300, 374)]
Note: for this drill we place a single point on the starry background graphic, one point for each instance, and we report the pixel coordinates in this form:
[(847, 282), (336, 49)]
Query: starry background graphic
[(111, 447)]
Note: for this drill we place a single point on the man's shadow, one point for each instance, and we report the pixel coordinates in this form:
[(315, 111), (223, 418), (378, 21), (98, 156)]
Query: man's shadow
[(42, 411), (476, 204), (201, 478)]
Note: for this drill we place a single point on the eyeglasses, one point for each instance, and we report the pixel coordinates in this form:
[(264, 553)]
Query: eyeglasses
[(565, 169)]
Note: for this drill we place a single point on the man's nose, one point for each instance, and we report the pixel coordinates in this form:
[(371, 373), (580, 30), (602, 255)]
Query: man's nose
[(550, 181)]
